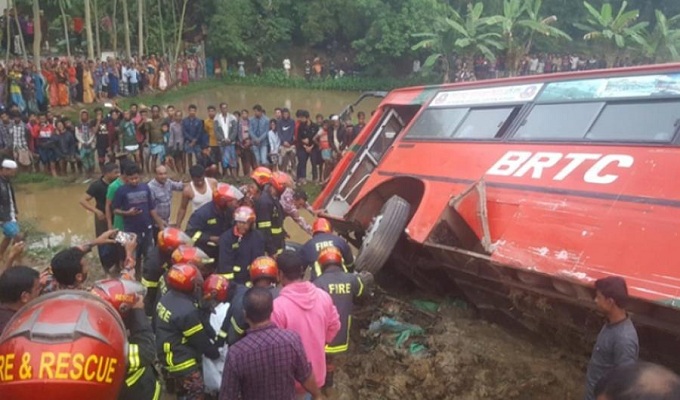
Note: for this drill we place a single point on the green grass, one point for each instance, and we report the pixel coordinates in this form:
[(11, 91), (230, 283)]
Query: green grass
[(44, 180)]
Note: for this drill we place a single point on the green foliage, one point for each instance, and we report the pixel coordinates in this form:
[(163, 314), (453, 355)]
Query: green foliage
[(277, 78), (663, 41), (619, 30)]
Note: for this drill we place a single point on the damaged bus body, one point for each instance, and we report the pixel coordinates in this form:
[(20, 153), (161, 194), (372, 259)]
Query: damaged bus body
[(521, 192)]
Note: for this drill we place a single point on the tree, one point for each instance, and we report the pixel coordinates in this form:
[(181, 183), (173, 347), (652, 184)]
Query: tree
[(37, 33), (64, 19), (140, 28), (114, 26), (180, 28), (126, 24), (612, 33), (88, 31), (663, 41), (95, 8), (520, 21), (468, 36)]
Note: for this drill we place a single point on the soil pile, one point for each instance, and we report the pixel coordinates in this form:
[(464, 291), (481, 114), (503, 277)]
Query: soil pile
[(458, 356)]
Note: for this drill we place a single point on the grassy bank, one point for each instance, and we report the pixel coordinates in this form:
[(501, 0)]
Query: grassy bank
[(278, 78)]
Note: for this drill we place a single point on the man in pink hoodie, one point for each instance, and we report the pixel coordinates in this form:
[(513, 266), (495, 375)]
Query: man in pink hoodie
[(304, 308)]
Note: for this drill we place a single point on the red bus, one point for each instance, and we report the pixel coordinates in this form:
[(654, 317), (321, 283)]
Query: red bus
[(521, 192)]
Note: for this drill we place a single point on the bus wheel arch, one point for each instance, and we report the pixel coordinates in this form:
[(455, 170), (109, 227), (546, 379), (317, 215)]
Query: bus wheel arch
[(384, 213)]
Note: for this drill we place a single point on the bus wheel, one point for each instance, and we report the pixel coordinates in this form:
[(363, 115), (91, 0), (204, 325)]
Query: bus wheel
[(383, 234)]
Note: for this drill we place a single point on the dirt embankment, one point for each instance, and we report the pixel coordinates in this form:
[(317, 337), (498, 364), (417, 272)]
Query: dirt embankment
[(459, 356)]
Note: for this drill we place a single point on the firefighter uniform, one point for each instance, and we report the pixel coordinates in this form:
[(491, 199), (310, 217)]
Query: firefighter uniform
[(181, 340), (270, 216), (141, 382), (208, 221), (235, 325), (237, 253), (155, 265), (310, 251), (344, 288)]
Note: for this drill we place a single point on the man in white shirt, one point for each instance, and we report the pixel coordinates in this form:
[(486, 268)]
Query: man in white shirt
[(225, 130)]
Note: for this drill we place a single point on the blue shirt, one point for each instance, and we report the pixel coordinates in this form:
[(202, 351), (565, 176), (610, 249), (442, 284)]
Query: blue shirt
[(140, 197), (192, 128), (259, 127)]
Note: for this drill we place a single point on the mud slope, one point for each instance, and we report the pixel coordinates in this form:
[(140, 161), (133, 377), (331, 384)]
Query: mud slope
[(466, 358)]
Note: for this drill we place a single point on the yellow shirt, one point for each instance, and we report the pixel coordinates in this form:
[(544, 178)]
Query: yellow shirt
[(209, 126)]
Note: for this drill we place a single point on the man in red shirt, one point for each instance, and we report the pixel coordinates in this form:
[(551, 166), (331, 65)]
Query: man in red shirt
[(46, 144)]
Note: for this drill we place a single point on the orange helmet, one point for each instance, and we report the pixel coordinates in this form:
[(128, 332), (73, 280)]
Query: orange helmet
[(225, 195), (280, 181), (264, 267), (244, 214), (171, 238), (73, 329), (261, 176), (122, 294), (190, 255), (184, 278), (329, 256), (321, 225), (216, 287)]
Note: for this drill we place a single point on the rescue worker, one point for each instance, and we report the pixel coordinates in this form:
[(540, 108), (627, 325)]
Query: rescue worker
[(215, 291), (127, 297), (234, 325), (322, 238), (214, 218), (185, 255), (158, 260), (264, 272), (80, 332), (270, 214), (344, 288), (240, 246), (181, 339)]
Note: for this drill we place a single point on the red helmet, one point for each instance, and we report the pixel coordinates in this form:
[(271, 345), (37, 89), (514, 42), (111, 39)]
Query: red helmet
[(280, 181), (225, 194), (264, 267), (122, 294), (171, 238), (261, 176), (330, 256), (190, 255), (67, 344), (216, 287), (321, 225), (184, 278), (244, 214)]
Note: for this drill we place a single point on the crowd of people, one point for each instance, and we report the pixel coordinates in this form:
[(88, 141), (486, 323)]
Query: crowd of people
[(224, 143), (64, 81)]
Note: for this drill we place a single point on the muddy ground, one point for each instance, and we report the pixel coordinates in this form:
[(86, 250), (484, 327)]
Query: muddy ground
[(465, 358)]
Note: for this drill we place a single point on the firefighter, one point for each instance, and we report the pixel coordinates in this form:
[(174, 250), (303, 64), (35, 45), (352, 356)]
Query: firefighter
[(239, 246), (181, 339), (234, 325), (322, 238), (185, 255), (213, 218), (215, 291), (127, 297), (344, 288), (158, 260), (75, 330), (264, 272), (270, 214)]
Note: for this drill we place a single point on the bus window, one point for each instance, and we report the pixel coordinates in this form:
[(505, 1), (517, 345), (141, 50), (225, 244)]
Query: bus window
[(558, 121), (484, 123), (637, 122), (437, 123)]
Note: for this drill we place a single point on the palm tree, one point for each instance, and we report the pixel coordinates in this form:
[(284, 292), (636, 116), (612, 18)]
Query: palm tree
[(613, 33), (88, 31), (126, 24), (520, 22), (469, 36), (662, 42)]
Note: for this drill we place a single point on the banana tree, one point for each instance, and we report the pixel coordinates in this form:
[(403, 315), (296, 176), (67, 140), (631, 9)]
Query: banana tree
[(613, 33), (520, 22), (469, 36), (661, 44)]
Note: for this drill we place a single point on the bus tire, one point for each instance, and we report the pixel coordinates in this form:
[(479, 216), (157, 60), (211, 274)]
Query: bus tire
[(383, 234)]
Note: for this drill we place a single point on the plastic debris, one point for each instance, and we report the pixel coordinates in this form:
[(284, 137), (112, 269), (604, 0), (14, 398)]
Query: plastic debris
[(424, 305)]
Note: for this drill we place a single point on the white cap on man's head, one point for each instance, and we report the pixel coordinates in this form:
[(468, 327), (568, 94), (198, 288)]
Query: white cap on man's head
[(9, 164)]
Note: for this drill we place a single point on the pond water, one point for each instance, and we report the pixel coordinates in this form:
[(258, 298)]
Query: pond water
[(56, 210)]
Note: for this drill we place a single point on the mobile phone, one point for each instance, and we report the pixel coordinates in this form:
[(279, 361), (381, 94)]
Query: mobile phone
[(108, 105)]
